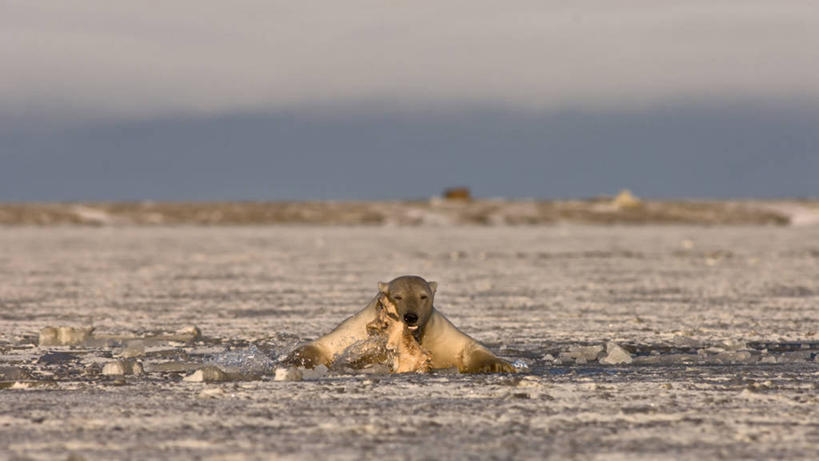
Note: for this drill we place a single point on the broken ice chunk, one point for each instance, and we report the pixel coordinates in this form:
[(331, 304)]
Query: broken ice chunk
[(520, 365), (122, 367), (615, 355), (64, 336), (207, 374), (288, 374)]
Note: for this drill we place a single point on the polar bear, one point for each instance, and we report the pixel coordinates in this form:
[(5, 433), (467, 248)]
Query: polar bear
[(390, 343), (411, 297)]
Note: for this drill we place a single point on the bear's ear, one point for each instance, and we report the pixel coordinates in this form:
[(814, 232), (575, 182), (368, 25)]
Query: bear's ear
[(384, 288), (433, 286)]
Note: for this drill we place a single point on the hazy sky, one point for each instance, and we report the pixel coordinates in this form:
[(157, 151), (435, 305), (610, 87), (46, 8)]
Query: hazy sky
[(102, 99)]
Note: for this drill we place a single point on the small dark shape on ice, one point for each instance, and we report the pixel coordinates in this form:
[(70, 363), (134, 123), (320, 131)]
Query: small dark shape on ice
[(57, 358)]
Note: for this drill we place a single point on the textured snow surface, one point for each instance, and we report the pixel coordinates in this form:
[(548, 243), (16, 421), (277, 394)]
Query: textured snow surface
[(719, 324)]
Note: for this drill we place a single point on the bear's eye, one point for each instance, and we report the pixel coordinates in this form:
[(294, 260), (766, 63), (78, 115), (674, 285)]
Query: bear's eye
[(423, 296), (397, 297)]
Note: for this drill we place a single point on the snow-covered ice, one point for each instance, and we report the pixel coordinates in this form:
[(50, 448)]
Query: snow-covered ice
[(721, 333)]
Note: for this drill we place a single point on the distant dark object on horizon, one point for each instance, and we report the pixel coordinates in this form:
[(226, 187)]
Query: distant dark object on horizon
[(458, 193)]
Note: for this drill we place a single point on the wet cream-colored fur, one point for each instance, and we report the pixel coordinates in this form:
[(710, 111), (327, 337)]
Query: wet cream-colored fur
[(446, 345), (403, 352)]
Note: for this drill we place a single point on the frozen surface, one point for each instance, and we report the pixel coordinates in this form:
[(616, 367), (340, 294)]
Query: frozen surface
[(711, 332), (251, 361)]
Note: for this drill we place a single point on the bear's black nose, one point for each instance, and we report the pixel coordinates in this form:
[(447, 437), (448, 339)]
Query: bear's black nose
[(410, 318)]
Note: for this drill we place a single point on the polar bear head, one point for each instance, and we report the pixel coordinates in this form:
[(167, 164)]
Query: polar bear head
[(412, 297)]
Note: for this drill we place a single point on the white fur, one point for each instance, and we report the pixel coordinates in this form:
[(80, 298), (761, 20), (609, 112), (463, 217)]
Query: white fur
[(448, 346)]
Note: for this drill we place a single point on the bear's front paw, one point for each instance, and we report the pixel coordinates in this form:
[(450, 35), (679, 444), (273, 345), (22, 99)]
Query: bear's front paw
[(485, 362), (306, 356), (498, 366)]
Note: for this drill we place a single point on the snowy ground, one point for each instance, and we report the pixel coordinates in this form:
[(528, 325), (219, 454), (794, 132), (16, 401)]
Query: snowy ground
[(722, 324)]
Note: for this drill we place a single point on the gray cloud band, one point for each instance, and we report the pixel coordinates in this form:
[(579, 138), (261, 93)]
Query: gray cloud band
[(98, 58)]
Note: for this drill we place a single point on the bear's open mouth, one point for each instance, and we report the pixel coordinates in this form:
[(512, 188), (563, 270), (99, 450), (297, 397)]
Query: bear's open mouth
[(412, 327)]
